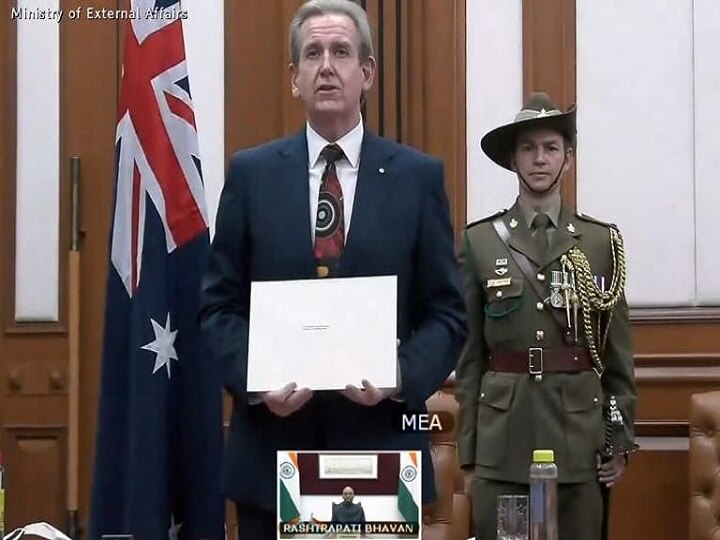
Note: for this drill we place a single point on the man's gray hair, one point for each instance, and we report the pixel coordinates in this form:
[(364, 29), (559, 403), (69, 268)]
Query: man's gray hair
[(314, 8)]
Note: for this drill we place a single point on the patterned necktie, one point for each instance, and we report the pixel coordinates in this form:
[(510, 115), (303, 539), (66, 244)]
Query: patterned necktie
[(541, 224), (329, 222)]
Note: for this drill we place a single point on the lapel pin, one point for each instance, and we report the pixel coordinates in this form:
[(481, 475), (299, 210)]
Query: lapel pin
[(381, 170), (501, 271), (513, 223), (571, 228)]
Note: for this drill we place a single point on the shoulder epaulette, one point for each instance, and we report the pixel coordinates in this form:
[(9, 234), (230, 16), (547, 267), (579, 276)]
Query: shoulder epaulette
[(486, 218), (591, 219)]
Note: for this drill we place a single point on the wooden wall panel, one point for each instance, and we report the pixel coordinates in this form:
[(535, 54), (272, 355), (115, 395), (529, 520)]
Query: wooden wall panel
[(258, 104), (435, 92), (36, 474), (673, 340), (549, 60), (664, 394), (650, 502), (89, 107), (33, 358), (8, 128), (673, 360), (384, 107)]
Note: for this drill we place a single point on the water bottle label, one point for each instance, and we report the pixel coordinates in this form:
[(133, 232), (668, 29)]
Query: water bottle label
[(537, 502), (2, 512)]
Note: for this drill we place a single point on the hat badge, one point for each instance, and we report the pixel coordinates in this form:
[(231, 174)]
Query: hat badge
[(543, 113)]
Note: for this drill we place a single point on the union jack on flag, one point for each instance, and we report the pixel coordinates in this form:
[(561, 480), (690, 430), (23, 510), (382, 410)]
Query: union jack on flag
[(157, 142), (159, 443)]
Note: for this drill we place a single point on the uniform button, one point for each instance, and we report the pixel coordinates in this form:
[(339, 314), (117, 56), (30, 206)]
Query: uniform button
[(540, 306), (498, 294), (595, 400), (541, 277), (539, 335), (482, 394)]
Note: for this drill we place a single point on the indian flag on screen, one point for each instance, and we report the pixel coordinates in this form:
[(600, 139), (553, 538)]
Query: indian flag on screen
[(409, 486), (289, 486)]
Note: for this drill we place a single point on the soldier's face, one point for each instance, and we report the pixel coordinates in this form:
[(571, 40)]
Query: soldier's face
[(539, 156)]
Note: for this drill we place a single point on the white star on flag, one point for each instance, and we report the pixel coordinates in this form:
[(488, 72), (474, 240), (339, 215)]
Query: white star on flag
[(174, 530), (163, 346)]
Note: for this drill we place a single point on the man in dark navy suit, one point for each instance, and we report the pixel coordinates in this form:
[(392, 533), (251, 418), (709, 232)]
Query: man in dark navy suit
[(347, 511), (334, 200)]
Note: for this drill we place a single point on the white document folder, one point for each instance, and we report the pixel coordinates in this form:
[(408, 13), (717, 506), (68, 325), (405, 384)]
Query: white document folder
[(323, 334)]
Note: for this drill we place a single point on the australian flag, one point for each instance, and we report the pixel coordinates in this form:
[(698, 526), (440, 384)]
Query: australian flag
[(159, 446)]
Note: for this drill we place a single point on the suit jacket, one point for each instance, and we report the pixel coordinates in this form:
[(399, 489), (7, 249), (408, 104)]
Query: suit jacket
[(347, 513), (504, 416), (400, 225)]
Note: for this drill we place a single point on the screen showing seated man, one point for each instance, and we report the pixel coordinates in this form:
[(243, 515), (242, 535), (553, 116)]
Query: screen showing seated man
[(348, 511)]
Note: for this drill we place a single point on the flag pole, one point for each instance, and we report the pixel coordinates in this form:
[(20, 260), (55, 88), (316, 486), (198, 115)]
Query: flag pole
[(73, 351)]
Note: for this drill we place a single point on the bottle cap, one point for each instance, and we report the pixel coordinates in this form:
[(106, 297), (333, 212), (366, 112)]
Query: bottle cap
[(543, 456)]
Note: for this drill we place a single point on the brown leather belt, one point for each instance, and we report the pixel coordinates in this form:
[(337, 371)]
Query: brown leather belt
[(538, 360)]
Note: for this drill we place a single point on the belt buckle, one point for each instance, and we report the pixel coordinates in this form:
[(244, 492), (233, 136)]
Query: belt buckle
[(535, 361)]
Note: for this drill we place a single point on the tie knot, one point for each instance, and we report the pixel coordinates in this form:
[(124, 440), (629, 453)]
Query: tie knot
[(541, 221), (331, 153)]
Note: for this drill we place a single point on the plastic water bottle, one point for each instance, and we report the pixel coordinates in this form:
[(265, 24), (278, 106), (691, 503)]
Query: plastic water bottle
[(543, 496), (2, 499)]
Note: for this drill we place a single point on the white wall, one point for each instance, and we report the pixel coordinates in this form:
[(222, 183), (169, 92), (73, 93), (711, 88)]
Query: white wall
[(706, 48), (494, 95), (648, 111), (635, 132)]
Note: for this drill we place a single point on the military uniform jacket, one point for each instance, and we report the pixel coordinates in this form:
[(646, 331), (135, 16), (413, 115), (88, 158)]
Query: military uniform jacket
[(505, 416)]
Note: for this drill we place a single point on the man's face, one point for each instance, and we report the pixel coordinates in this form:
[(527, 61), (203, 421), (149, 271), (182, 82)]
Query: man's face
[(329, 77), (348, 494), (539, 156)]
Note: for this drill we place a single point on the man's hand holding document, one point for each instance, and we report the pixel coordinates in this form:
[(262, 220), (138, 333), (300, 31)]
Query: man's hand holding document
[(323, 334)]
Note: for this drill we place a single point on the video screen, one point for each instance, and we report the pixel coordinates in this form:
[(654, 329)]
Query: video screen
[(357, 494)]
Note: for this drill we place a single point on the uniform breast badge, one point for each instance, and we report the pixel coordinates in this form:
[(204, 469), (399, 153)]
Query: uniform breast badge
[(504, 282), (556, 283), (563, 294), (501, 267)]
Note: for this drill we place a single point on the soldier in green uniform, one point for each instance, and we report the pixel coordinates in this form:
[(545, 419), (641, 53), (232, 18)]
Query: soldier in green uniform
[(548, 363)]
